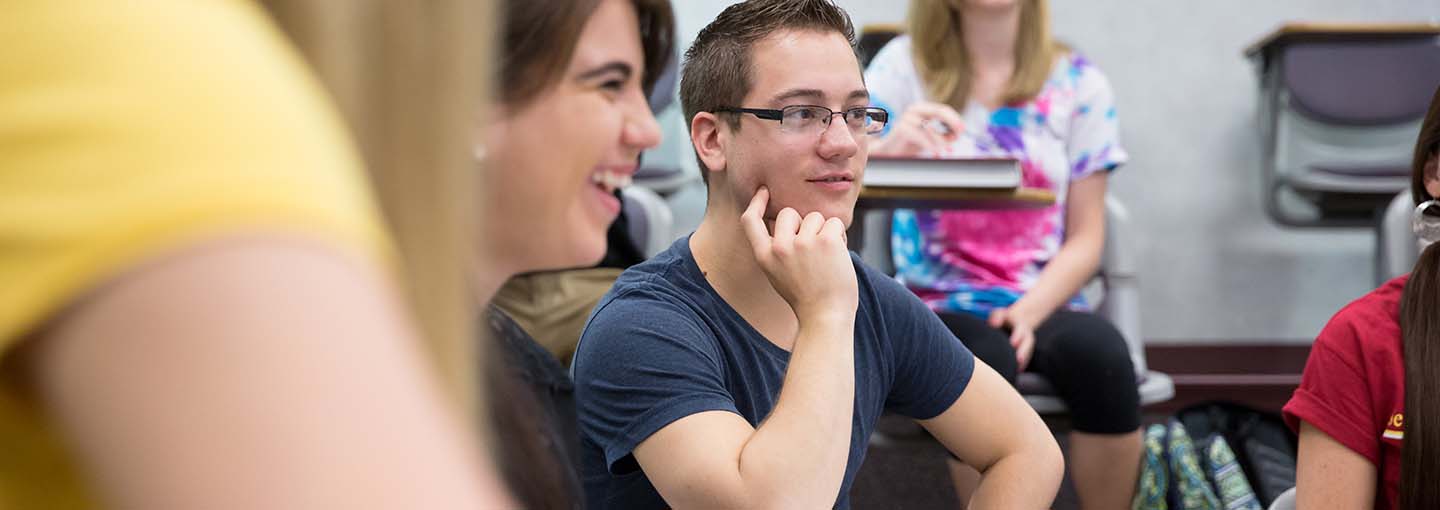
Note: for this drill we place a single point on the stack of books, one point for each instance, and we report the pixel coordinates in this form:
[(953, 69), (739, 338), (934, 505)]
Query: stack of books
[(962, 173)]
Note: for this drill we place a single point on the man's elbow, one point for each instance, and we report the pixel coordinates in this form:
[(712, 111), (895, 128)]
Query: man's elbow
[(1038, 457), (790, 496), (1054, 459), (738, 501), (1045, 462), (740, 494)]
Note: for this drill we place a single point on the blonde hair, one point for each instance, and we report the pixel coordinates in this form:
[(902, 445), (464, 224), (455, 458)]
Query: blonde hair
[(943, 61), (411, 79)]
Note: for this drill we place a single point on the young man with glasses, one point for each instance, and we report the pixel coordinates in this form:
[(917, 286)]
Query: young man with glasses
[(746, 366)]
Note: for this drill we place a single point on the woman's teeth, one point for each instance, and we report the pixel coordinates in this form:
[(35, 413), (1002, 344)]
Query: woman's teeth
[(611, 181)]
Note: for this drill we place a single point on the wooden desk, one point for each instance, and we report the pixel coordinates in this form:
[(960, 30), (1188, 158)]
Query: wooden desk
[(954, 198), (1312, 32)]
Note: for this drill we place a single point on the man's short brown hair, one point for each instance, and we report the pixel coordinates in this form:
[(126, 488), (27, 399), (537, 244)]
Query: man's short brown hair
[(718, 66)]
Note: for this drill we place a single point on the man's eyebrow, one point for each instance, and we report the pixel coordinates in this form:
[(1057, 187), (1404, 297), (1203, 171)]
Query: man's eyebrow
[(614, 66), (817, 95), (794, 93)]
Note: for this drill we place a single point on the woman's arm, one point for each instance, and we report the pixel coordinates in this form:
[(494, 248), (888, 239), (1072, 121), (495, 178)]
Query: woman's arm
[(1093, 143), (1073, 266), (1330, 475), (255, 373), (1079, 255)]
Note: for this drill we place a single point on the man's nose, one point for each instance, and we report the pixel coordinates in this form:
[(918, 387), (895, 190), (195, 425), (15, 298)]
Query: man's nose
[(837, 140)]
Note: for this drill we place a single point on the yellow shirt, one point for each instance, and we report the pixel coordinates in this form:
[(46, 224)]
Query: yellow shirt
[(130, 129)]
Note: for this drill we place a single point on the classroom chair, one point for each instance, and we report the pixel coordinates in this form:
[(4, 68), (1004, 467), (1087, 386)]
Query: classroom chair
[(1339, 109)]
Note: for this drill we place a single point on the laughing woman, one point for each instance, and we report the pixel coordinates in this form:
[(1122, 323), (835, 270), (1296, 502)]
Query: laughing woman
[(570, 120)]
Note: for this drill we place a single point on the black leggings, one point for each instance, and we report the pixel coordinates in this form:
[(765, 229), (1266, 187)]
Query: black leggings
[(1081, 354)]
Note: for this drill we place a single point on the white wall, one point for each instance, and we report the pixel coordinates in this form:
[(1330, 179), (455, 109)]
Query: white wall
[(1213, 267)]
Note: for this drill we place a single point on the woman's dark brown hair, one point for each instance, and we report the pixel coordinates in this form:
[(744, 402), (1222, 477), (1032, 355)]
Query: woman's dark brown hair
[(539, 37), (1420, 331)]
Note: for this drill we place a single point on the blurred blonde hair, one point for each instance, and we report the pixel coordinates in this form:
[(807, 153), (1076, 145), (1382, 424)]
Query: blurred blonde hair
[(943, 61), (411, 78)]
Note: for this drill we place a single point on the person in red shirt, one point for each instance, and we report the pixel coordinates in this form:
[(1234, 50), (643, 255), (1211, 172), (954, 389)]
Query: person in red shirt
[(1368, 367)]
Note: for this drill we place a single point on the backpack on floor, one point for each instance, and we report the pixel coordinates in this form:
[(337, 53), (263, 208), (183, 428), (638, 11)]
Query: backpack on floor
[(1154, 483), (1225, 474), (1263, 446), (1215, 455), (1190, 488)]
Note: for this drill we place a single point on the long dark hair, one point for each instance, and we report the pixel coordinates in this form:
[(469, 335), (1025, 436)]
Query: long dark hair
[(537, 41), (1420, 331)]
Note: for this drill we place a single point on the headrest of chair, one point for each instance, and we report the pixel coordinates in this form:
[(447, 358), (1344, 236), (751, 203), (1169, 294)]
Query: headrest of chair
[(664, 92), (1362, 83), (637, 222), (875, 37)]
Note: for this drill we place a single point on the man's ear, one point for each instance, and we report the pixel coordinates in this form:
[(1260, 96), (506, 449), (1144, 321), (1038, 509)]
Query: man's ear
[(709, 138), (1432, 181)]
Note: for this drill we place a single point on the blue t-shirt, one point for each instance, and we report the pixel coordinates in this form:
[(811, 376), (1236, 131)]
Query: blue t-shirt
[(663, 345)]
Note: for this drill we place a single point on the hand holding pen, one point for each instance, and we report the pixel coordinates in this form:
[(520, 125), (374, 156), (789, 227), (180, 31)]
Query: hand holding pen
[(925, 128)]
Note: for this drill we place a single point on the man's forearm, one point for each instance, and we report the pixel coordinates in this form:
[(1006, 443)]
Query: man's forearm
[(797, 457)]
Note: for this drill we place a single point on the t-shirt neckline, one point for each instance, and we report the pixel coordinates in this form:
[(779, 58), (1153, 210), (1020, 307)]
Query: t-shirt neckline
[(692, 269)]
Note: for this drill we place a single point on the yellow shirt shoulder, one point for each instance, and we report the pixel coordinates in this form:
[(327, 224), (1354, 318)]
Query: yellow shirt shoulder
[(132, 129)]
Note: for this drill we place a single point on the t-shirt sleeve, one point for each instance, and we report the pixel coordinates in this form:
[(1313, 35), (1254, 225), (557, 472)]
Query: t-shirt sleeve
[(931, 367), (643, 362), (891, 78), (1333, 394), (1094, 143), (130, 131)]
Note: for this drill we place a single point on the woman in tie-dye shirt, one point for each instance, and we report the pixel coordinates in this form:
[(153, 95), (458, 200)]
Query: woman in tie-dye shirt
[(982, 78)]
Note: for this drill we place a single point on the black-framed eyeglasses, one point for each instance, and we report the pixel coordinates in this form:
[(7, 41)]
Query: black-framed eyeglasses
[(811, 118)]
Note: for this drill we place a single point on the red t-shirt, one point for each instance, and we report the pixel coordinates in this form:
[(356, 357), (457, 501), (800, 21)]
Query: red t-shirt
[(1354, 385)]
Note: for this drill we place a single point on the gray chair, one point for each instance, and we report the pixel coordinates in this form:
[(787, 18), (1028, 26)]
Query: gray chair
[(660, 170), (1115, 288), (1338, 119), (873, 37), (649, 219), (1396, 246), (1118, 289), (1285, 501)]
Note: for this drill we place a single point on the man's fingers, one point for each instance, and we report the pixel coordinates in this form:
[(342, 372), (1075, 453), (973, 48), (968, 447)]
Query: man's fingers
[(811, 225), (753, 220), (833, 227), (787, 223), (758, 203)]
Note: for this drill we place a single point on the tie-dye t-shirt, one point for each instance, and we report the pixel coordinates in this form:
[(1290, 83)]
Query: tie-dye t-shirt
[(977, 261)]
